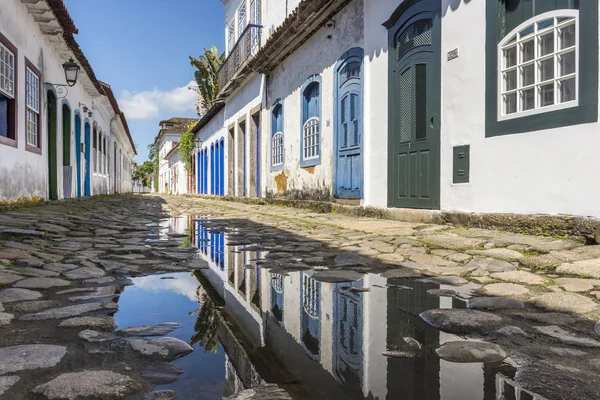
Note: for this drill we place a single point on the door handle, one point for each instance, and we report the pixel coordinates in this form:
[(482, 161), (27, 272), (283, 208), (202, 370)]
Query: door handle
[(431, 122)]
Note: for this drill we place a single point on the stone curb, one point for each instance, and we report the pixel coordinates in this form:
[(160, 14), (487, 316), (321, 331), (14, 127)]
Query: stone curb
[(583, 229), (18, 206)]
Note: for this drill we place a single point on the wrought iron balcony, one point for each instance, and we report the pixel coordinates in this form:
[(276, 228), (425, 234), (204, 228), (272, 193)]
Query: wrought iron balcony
[(233, 70)]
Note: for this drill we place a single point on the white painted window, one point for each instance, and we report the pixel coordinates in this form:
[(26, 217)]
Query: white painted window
[(242, 18), (32, 97), (231, 36), (311, 138), (277, 150), (7, 71), (539, 65)]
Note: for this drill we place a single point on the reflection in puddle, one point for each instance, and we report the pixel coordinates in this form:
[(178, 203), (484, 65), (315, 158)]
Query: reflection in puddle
[(330, 338)]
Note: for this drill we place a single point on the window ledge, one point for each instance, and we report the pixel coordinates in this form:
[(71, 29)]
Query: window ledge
[(8, 141), (277, 168), (310, 163), (33, 149), (537, 111)]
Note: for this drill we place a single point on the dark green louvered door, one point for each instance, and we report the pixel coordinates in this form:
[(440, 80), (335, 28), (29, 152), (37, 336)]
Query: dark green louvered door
[(414, 111)]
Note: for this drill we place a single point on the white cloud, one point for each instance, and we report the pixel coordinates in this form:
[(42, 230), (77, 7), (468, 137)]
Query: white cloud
[(184, 284), (155, 103)]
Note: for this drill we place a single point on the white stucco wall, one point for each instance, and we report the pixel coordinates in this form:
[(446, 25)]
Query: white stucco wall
[(317, 56), (547, 171), (519, 173), (24, 174)]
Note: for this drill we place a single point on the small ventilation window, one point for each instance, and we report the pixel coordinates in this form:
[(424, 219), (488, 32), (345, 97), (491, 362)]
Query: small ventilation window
[(415, 35)]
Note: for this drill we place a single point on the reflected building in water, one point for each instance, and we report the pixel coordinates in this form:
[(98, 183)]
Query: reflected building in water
[(331, 337)]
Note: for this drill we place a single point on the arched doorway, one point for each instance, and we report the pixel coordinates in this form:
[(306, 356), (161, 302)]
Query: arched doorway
[(87, 168), (52, 156), (78, 152), (349, 131), (414, 105), (66, 138)]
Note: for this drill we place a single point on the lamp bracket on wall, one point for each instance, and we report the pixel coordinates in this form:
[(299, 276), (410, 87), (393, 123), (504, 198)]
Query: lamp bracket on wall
[(61, 90)]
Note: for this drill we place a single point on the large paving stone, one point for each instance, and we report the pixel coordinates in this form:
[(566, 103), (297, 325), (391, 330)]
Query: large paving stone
[(13, 294), (92, 336), (36, 272), (491, 265), (151, 330), (453, 242), (166, 348), (552, 380), (104, 323), (566, 337), (41, 283), (5, 318), (494, 303), (11, 232), (8, 278), (445, 280), (567, 302), (13, 254), (85, 273), (59, 267), (500, 254), (589, 268), (88, 385), (28, 357), (337, 276), (519, 277), (68, 311), (597, 328), (351, 259), (30, 263), (577, 284), (432, 259), (548, 318), (33, 306), (400, 273), (6, 382), (161, 374), (461, 321), (505, 289), (471, 352)]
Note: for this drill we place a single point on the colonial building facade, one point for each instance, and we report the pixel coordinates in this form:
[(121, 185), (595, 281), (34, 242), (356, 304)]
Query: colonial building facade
[(432, 104), (172, 175), (56, 140)]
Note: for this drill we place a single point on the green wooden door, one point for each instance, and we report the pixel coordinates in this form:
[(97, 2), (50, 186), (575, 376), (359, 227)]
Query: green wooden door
[(414, 137), (52, 151)]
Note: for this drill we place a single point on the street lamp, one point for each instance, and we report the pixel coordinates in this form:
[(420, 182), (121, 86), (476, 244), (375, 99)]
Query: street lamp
[(71, 72), (198, 144)]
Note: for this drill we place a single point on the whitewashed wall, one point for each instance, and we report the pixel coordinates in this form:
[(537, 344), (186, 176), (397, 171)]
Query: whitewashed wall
[(317, 56)]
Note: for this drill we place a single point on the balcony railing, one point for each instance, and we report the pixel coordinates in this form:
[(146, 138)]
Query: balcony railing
[(246, 47)]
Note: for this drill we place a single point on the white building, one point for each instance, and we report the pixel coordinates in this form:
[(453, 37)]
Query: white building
[(172, 176), (56, 141), (433, 104)]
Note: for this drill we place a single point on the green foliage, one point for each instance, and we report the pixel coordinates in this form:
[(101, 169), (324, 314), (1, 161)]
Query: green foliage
[(143, 173), (207, 76), (153, 156), (207, 326), (186, 145)]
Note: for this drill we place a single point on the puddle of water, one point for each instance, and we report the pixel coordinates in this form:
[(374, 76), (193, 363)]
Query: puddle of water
[(173, 298), (320, 340)]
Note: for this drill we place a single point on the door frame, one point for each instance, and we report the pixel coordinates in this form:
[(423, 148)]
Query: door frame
[(52, 137), (353, 53), (87, 128), (406, 13), (78, 123)]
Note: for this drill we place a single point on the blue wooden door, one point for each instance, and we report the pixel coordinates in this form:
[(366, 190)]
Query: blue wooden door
[(349, 163), (78, 152), (222, 167), (88, 161), (213, 174)]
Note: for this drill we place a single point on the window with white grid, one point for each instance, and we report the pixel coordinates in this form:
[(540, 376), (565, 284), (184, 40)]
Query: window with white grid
[(242, 18), (277, 149), (311, 138), (7, 71), (231, 36), (539, 65), (32, 97)]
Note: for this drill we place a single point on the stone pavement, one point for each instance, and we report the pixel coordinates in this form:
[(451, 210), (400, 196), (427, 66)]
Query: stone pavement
[(63, 266), (554, 274)]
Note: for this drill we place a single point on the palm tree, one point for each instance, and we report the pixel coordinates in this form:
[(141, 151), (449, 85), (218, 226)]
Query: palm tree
[(207, 76)]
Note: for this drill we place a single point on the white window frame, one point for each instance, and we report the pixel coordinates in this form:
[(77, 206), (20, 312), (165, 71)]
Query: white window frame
[(508, 42), (242, 23), (7, 72), (311, 132), (32, 102), (277, 144), (231, 36)]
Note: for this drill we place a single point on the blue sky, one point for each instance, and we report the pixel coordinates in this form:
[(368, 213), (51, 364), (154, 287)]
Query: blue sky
[(141, 49)]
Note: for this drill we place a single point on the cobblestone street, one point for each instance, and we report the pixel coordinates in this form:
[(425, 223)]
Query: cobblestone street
[(72, 312)]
